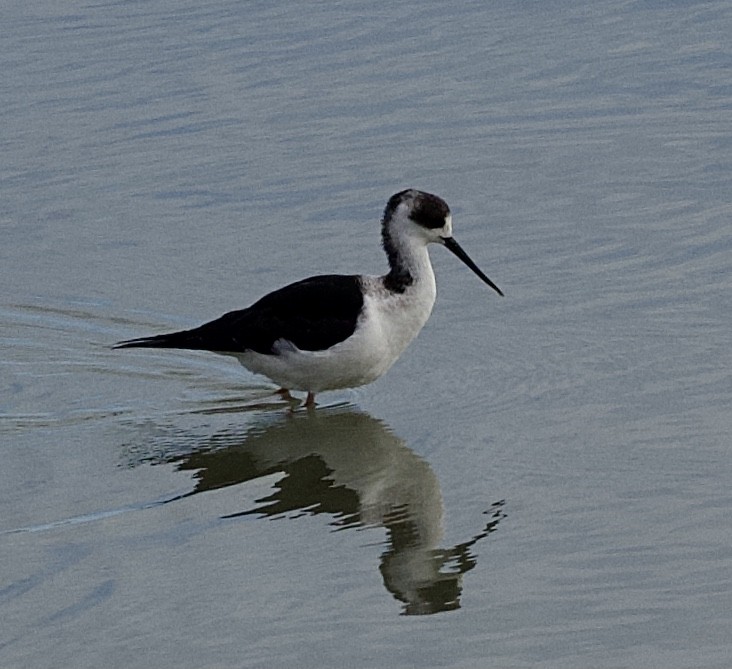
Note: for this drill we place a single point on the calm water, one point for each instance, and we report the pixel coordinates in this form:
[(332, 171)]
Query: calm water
[(542, 480)]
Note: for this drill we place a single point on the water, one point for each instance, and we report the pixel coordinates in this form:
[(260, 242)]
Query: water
[(542, 480)]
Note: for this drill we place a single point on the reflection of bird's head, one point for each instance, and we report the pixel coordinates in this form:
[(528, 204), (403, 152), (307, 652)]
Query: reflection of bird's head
[(415, 578)]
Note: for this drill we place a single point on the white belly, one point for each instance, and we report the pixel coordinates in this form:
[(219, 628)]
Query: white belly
[(388, 323)]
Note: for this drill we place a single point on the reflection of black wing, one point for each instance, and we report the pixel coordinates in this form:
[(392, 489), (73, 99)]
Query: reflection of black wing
[(305, 483), (314, 314), (306, 489)]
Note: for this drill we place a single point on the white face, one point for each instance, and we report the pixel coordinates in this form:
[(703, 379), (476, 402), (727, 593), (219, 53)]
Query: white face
[(447, 228), (422, 217), (417, 218), (432, 235)]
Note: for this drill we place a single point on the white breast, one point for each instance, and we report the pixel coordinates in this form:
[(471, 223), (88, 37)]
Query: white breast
[(390, 321)]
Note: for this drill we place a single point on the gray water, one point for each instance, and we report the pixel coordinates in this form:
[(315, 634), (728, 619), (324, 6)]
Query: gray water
[(541, 480)]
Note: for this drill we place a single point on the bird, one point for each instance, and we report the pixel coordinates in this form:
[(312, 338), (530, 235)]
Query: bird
[(336, 331)]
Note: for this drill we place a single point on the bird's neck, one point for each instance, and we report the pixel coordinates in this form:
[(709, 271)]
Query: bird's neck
[(409, 262)]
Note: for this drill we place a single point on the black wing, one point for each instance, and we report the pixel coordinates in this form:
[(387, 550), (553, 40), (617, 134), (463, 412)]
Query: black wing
[(314, 314)]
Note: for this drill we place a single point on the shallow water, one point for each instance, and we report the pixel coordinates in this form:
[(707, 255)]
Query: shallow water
[(541, 480)]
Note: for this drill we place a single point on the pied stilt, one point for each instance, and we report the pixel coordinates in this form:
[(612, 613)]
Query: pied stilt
[(337, 331)]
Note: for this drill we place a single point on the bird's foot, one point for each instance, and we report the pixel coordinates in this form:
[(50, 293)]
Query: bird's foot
[(310, 401), (284, 393)]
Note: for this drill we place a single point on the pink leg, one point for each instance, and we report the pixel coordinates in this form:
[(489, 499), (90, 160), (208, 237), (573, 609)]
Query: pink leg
[(310, 401), (284, 393)]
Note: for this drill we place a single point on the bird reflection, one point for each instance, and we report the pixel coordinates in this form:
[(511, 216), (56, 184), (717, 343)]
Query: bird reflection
[(347, 464)]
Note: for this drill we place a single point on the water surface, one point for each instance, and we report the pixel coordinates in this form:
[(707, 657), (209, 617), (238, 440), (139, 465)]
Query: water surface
[(541, 480)]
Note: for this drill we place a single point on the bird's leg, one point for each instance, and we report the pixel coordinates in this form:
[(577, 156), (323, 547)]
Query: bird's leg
[(310, 400), (284, 393)]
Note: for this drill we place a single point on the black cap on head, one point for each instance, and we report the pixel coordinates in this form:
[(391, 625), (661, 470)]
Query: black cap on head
[(427, 209)]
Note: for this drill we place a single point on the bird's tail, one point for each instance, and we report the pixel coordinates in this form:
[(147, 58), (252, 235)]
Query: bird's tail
[(184, 339)]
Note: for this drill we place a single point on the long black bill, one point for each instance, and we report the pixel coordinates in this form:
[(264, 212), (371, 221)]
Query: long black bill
[(451, 244)]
